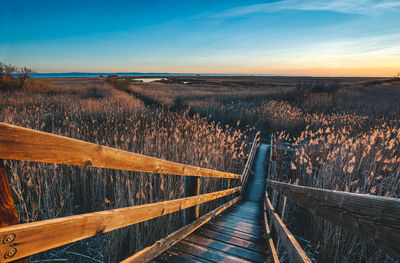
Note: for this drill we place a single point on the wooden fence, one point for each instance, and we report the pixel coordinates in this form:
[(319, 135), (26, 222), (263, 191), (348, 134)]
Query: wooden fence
[(374, 219), (21, 240)]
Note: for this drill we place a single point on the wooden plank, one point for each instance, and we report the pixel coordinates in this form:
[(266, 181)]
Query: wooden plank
[(230, 226), (294, 250), (238, 224), (191, 188), (234, 233), (17, 143), (32, 238), (374, 219), (247, 210), (230, 249), (233, 240), (250, 218), (247, 220), (162, 245), (8, 216), (270, 242), (8, 213), (207, 253), (179, 257), (250, 159)]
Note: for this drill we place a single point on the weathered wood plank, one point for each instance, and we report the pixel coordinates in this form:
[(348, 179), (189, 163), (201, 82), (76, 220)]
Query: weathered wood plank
[(191, 188), (233, 240), (243, 218), (162, 245), (270, 242), (239, 223), (374, 219), (227, 248), (8, 213), (250, 159), (295, 252), (207, 253), (234, 233), (8, 216), (254, 218), (32, 238), (230, 226), (172, 256), (17, 143)]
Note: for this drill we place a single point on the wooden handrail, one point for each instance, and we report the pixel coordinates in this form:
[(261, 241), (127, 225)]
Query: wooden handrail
[(32, 238), (270, 242), (162, 245), (17, 143), (295, 252), (250, 159), (374, 219)]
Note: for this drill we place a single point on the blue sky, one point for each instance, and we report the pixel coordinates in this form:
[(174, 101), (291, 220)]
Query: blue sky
[(301, 37)]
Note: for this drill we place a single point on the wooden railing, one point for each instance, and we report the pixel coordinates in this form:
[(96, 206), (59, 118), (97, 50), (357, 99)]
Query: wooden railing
[(22, 240), (374, 219), (250, 159)]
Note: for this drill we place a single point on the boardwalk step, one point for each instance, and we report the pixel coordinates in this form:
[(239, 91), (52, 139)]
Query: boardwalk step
[(227, 248), (207, 253)]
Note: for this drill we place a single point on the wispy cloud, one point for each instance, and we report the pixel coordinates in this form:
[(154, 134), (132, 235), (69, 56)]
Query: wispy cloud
[(362, 7)]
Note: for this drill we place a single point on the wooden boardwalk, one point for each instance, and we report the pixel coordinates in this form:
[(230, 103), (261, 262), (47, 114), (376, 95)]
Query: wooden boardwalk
[(237, 235), (226, 234)]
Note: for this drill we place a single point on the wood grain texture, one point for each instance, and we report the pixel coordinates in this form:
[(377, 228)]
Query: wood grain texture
[(8, 216), (238, 242), (32, 238), (294, 250), (224, 247), (270, 242), (8, 213), (162, 245), (250, 159), (207, 253), (374, 219), (17, 143)]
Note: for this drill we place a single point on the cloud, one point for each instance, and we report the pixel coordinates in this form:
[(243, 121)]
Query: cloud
[(361, 7)]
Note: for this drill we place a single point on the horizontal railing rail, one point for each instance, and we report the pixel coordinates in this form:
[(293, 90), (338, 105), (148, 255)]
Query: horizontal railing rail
[(274, 225), (294, 250), (250, 159), (162, 245), (373, 219), (17, 143), (32, 238)]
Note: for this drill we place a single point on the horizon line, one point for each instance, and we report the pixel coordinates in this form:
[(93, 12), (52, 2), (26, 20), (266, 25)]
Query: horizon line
[(218, 74)]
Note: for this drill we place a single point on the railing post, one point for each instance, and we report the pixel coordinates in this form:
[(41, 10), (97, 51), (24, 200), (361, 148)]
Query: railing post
[(8, 215), (191, 188)]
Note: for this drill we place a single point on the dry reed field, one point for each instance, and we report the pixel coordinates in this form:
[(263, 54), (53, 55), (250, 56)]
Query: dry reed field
[(342, 134), (94, 111), (354, 148)]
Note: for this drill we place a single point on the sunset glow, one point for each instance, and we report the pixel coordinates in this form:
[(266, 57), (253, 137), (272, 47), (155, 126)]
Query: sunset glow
[(287, 37)]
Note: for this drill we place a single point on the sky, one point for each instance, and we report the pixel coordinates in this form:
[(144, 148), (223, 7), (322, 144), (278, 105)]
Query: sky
[(286, 37)]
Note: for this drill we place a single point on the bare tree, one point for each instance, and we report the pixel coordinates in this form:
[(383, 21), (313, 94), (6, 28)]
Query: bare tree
[(12, 77), (7, 69), (23, 75)]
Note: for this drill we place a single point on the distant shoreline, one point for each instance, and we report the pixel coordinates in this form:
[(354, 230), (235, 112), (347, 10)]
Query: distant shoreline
[(134, 74)]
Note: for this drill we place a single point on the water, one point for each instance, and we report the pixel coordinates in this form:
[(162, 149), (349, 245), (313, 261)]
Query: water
[(150, 79), (96, 75), (122, 74)]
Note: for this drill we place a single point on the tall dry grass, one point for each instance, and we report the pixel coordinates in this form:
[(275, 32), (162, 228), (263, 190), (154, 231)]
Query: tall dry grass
[(339, 151), (98, 113)]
